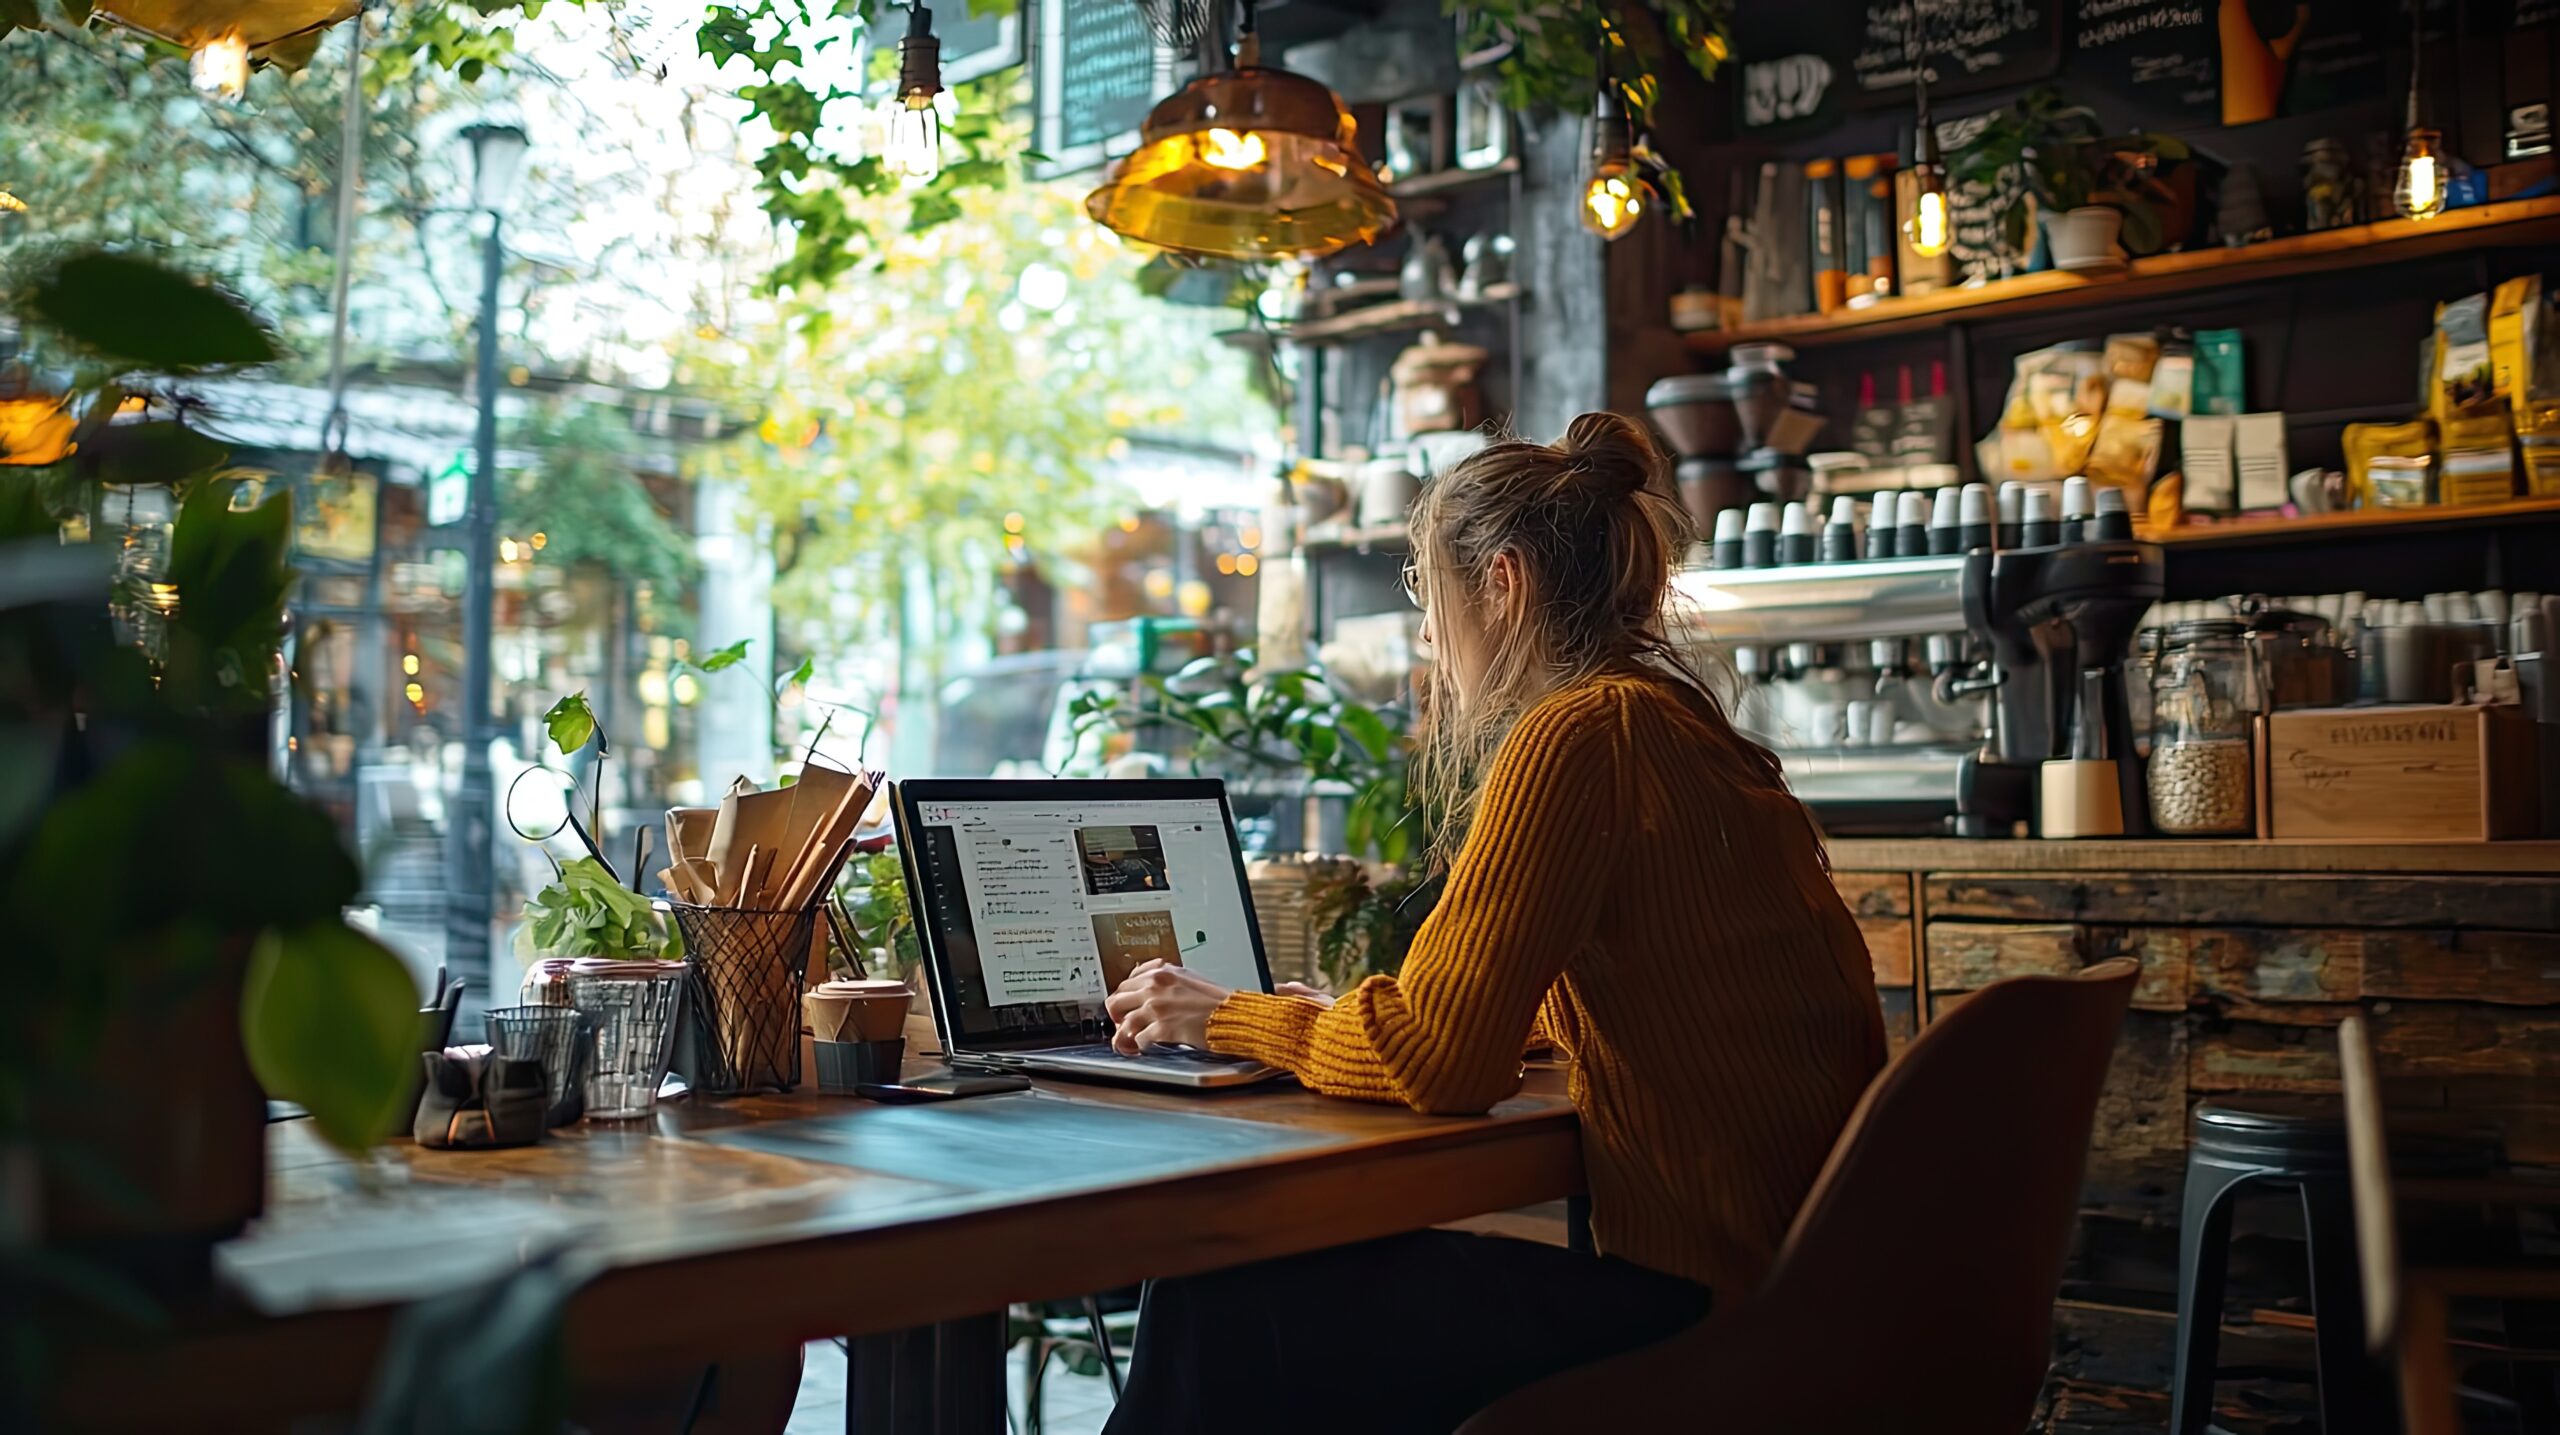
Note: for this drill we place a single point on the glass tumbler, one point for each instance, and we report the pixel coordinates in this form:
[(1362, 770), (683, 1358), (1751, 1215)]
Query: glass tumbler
[(635, 1029)]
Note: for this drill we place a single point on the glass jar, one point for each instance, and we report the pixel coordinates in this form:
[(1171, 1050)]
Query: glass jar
[(2203, 698)]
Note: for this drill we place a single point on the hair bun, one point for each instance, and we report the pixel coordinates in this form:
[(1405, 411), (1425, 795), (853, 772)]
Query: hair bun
[(1616, 452)]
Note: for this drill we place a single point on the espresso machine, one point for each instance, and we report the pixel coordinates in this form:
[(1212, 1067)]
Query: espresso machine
[(1845, 671), (2059, 620)]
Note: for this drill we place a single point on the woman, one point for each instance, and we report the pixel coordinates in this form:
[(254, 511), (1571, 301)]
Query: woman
[(1631, 881)]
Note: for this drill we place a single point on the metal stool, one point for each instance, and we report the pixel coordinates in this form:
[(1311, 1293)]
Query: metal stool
[(2302, 1145)]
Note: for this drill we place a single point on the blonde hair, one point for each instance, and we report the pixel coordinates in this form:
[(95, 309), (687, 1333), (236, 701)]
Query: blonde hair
[(1594, 531)]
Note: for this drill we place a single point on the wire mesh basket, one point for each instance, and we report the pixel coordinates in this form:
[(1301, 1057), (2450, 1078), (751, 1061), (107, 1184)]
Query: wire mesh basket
[(747, 968), (635, 1016), (554, 1036)]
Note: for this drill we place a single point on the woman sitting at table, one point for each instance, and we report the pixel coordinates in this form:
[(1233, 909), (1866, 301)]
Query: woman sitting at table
[(1632, 882)]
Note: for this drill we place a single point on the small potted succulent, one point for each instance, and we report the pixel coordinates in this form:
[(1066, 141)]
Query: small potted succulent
[(2089, 190)]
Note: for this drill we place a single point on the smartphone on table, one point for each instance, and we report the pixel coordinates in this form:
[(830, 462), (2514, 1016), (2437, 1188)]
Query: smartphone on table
[(949, 1086)]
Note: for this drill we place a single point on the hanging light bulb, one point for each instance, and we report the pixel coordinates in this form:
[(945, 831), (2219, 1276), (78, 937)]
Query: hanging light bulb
[(1613, 194), (2417, 191), (1929, 230), (911, 119), (220, 66)]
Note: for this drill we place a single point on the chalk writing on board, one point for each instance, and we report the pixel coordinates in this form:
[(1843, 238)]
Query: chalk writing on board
[(1960, 39), (1107, 70), (2161, 54)]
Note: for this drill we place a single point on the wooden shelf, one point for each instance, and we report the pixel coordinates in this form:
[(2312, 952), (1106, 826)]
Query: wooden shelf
[(1390, 318), (2513, 223), (1444, 181), (2360, 523)]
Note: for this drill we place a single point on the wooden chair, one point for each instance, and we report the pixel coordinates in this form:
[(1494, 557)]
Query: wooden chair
[(2408, 1308), (1915, 1290)]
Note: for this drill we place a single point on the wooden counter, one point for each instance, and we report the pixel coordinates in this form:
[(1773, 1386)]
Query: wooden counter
[(2251, 952), (1922, 854)]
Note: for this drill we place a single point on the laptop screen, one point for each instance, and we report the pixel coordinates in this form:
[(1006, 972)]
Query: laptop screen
[(1040, 901)]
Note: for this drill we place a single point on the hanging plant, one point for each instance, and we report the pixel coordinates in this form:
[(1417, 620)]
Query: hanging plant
[(1549, 57), (1545, 58)]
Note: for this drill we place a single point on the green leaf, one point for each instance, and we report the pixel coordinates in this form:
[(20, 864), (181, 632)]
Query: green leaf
[(800, 675), (166, 452), (147, 316), (585, 913), (728, 657), (231, 570), (571, 722), (1368, 729), (330, 1022)]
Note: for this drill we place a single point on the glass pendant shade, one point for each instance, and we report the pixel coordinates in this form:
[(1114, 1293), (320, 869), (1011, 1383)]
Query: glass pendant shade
[(278, 30), (1249, 164)]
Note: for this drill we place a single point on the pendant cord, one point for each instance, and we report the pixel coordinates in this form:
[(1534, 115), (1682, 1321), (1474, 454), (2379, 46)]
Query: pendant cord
[(2417, 55)]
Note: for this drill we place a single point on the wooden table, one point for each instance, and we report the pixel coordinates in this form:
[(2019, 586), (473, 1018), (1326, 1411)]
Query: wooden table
[(914, 1215)]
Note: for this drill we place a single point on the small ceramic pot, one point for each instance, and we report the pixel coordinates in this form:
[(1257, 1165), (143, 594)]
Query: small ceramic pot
[(2084, 238)]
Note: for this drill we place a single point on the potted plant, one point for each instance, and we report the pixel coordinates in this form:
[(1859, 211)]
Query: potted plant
[(178, 949), (1296, 726), (585, 910), (2086, 188)]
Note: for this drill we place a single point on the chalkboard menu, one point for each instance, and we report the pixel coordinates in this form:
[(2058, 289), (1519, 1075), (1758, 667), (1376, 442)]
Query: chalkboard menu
[(1105, 72), (2160, 56), (1803, 65)]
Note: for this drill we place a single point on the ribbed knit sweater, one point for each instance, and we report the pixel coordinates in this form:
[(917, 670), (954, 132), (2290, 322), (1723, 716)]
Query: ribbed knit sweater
[(1633, 887)]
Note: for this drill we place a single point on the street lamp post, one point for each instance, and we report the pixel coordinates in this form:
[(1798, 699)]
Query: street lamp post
[(497, 154)]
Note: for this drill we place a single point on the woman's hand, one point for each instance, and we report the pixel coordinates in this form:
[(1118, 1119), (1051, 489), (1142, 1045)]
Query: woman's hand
[(1162, 1005), (1302, 992)]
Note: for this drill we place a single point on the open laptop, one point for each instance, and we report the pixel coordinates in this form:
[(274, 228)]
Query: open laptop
[(1033, 900)]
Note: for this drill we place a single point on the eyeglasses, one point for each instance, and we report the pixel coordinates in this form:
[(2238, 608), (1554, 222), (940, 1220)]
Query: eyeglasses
[(1412, 580)]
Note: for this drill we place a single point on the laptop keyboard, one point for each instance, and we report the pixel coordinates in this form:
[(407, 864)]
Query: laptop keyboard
[(1187, 1055)]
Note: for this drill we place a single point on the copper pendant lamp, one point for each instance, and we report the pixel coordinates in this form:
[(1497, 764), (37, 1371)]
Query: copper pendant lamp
[(1249, 163), (226, 35)]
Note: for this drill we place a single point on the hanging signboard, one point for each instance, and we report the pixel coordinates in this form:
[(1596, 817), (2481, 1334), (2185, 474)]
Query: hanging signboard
[(449, 493), (1097, 70)]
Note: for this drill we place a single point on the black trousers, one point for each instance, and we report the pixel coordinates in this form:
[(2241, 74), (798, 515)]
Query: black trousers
[(1404, 1336)]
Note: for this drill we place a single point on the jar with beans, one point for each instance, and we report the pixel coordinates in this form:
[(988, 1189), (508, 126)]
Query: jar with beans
[(2203, 697)]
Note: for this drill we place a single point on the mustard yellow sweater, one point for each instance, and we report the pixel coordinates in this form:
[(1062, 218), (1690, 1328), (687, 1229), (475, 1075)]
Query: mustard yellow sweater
[(1631, 886)]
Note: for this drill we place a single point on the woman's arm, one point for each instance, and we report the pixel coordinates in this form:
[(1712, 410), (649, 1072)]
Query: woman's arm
[(1446, 1035)]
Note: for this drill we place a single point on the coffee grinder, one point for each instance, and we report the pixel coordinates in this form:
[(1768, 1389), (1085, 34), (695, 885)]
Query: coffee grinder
[(2060, 620)]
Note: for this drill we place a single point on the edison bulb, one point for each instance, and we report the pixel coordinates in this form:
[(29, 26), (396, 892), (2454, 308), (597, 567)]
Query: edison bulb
[(2418, 191), (911, 134), (1929, 230), (220, 67), (1612, 201), (1232, 149)]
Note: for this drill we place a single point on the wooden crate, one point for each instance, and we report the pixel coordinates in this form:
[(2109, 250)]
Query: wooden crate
[(2404, 774)]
